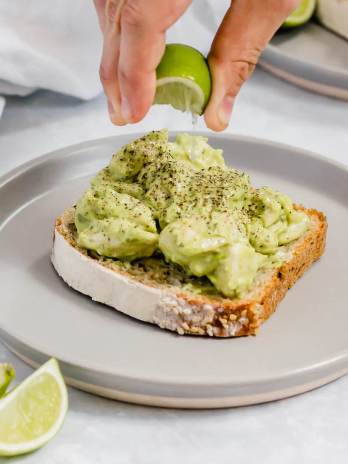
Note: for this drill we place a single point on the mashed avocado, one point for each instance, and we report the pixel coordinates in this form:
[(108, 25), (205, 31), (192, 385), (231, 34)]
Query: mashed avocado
[(181, 200)]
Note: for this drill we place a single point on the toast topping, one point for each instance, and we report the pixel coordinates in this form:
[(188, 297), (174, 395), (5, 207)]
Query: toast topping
[(181, 201)]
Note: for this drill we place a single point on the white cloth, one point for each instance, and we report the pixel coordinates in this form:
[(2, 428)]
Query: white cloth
[(53, 45), (56, 44)]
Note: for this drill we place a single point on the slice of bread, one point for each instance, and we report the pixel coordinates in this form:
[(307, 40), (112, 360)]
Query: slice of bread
[(164, 298)]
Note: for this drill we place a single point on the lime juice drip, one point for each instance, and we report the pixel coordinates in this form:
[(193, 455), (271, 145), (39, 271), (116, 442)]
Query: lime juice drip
[(195, 152), (194, 120)]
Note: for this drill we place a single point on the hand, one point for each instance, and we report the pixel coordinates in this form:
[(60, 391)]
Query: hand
[(134, 42), (245, 31)]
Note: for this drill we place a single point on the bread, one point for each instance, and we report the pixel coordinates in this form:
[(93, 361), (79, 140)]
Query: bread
[(162, 298)]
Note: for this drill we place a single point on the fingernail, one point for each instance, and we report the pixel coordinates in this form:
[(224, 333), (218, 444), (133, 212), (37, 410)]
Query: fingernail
[(126, 110), (225, 109), (115, 115), (112, 112)]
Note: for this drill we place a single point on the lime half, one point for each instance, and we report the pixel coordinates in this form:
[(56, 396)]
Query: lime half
[(33, 412), (301, 15), (183, 79)]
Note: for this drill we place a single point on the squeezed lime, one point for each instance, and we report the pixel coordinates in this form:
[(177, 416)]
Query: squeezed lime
[(183, 79)]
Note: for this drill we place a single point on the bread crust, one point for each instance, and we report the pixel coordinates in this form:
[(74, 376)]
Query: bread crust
[(188, 313)]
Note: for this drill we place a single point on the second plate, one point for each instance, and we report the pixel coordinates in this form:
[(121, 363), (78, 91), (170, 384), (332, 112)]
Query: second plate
[(311, 57)]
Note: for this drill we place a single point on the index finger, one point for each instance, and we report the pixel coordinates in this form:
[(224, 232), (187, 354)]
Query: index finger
[(143, 27)]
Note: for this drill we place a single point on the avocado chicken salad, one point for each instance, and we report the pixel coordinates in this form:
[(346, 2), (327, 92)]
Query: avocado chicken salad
[(179, 202)]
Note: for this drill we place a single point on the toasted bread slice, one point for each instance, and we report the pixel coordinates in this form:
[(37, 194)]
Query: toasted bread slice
[(163, 299)]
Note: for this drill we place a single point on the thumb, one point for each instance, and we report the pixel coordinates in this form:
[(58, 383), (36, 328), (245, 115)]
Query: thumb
[(244, 32)]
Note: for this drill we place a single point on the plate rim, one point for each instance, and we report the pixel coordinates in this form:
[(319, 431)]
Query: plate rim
[(259, 381)]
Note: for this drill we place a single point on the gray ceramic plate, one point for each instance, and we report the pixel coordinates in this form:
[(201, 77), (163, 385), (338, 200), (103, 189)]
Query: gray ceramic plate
[(302, 346), (311, 57)]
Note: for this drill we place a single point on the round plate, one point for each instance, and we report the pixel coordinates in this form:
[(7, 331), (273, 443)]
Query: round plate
[(303, 345), (311, 57)]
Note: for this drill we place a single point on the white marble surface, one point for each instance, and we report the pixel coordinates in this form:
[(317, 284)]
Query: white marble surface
[(311, 428)]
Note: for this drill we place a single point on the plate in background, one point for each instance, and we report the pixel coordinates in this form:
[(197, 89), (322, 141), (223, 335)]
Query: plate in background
[(302, 346), (312, 57)]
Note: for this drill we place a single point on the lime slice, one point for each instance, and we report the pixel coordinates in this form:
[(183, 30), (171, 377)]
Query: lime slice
[(301, 15), (33, 413), (183, 79)]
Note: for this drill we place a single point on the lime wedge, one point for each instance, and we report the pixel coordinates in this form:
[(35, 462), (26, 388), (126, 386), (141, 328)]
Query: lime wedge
[(7, 374), (183, 79), (33, 413), (301, 15)]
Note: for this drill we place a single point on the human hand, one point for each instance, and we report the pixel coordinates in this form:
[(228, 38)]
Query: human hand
[(134, 42), (245, 31)]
